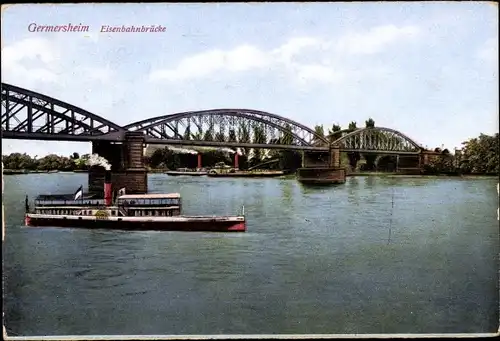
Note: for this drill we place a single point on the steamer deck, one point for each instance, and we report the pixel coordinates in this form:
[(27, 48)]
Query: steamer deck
[(130, 212)]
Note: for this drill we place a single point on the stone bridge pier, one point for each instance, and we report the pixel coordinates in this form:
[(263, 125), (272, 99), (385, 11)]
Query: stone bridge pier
[(321, 167), (127, 165)]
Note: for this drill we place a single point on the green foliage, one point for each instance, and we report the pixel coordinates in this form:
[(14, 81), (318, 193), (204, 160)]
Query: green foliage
[(370, 158), (289, 159), (287, 137), (320, 130), (209, 135), (370, 161), (333, 133), (480, 155), (219, 137), (20, 161), (166, 159), (232, 136), (443, 164), (81, 163), (244, 136), (197, 136), (259, 136), (353, 157), (187, 133)]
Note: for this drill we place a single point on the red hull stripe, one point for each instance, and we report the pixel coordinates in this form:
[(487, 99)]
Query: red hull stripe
[(209, 225)]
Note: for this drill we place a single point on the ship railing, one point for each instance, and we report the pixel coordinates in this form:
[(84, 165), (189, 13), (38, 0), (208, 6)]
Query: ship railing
[(93, 203)]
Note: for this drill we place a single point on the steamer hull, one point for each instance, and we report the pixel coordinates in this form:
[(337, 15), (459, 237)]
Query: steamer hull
[(179, 223)]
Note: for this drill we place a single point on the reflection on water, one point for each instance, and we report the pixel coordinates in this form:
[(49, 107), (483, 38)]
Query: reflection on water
[(314, 260)]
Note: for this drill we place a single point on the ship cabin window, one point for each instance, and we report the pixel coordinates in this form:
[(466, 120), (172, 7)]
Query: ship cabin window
[(149, 202)]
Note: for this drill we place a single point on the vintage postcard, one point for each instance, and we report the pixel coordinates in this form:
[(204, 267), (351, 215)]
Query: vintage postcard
[(229, 170)]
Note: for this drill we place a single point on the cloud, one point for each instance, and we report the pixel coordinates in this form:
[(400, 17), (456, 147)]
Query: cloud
[(247, 57), (242, 58), (30, 48), (39, 53), (295, 46), (35, 61), (376, 39)]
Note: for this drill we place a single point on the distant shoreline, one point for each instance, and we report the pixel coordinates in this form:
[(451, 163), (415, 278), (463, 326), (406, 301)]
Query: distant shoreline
[(381, 174), (398, 175), (25, 171)]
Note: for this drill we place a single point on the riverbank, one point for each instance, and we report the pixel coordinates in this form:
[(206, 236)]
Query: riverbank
[(25, 171), (288, 176), (395, 174)]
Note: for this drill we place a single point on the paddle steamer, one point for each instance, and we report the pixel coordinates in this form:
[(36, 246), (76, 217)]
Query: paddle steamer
[(128, 211)]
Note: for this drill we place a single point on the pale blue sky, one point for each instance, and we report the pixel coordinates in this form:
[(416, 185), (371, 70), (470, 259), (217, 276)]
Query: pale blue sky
[(429, 70)]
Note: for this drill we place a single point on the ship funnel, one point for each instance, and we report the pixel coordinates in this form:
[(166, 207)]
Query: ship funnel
[(108, 195)]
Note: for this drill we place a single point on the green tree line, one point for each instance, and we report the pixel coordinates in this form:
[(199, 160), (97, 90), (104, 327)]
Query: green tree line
[(23, 161), (478, 156)]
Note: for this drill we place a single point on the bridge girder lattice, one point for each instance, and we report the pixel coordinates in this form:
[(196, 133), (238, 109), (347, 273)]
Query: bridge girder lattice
[(230, 128), (377, 140), (30, 115)]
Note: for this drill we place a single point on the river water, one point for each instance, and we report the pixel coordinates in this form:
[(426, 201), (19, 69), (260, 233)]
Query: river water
[(375, 255)]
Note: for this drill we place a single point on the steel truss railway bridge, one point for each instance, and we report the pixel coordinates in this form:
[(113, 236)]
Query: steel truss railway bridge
[(30, 115)]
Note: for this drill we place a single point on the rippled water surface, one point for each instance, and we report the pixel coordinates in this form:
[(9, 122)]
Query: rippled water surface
[(314, 260)]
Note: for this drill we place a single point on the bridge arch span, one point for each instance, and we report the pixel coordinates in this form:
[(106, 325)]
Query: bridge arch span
[(377, 140), (30, 115), (216, 125)]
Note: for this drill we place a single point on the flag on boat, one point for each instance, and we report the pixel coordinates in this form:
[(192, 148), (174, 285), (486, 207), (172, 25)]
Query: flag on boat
[(121, 191), (79, 193)]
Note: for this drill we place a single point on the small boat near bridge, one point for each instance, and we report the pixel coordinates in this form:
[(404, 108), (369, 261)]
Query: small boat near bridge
[(186, 171)]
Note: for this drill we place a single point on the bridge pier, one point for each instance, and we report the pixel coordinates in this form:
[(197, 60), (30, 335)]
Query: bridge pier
[(127, 165), (321, 167), (236, 161), (199, 160), (424, 159)]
